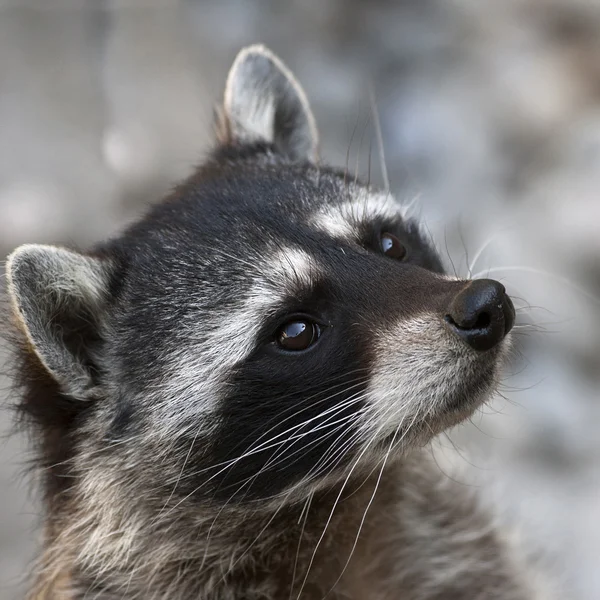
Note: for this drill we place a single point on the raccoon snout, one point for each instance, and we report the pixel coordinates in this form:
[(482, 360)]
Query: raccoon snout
[(481, 314)]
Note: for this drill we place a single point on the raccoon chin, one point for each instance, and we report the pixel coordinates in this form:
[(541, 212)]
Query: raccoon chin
[(463, 400)]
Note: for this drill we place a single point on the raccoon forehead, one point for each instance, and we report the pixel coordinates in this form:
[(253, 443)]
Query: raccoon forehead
[(290, 267), (274, 278), (286, 272), (347, 219)]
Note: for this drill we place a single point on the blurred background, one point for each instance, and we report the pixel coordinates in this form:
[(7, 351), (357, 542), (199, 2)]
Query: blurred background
[(490, 116)]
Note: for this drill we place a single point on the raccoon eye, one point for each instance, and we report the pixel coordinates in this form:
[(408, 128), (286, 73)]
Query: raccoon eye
[(391, 246), (298, 335)]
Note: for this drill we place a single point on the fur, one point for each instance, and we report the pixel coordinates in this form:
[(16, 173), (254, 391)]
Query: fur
[(183, 453)]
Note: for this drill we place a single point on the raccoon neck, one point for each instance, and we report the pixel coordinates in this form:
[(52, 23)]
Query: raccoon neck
[(311, 546)]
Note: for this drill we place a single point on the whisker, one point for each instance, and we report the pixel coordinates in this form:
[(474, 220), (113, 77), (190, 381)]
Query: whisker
[(280, 420), (481, 250), (247, 482), (564, 280), (464, 245), (369, 163), (408, 207), (364, 516), (266, 526), (459, 451), (305, 510), (448, 253), (342, 423), (350, 147), (359, 151), (343, 420), (322, 536), (379, 137), (182, 469), (442, 471), (259, 448)]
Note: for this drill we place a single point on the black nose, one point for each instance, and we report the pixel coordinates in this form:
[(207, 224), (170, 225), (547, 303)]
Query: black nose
[(481, 314)]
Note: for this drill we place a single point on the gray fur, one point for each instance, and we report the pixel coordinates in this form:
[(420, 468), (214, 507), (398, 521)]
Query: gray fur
[(169, 324), (425, 537)]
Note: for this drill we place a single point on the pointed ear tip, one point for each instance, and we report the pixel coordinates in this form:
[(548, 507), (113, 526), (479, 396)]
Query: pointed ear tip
[(32, 262), (14, 283), (259, 79), (248, 59), (18, 264), (23, 253), (31, 249), (255, 50), (16, 257)]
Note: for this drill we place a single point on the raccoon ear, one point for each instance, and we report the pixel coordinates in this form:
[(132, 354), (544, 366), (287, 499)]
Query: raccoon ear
[(264, 103), (57, 297)]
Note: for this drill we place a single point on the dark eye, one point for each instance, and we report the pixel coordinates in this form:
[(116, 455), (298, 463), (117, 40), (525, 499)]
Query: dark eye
[(391, 246), (298, 335)]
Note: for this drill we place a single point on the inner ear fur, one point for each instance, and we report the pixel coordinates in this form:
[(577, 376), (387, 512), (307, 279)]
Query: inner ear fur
[(58, 299), (264, 103)]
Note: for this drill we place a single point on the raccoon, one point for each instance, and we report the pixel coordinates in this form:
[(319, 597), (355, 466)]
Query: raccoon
[(235, 398)]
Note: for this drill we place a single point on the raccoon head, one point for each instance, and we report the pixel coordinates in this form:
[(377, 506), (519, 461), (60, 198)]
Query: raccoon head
[(270, 326)]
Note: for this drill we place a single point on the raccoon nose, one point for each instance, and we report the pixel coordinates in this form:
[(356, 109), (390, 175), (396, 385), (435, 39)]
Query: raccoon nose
[(481, 314)]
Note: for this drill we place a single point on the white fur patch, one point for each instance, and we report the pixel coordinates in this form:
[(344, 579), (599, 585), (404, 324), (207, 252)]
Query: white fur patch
[(344, 220), (419, 365), (197, 373), (291, 266)]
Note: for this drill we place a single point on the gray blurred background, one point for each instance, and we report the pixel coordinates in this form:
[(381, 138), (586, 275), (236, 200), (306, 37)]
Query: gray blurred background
[(490, 112)]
